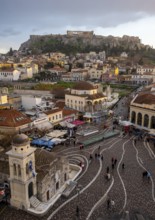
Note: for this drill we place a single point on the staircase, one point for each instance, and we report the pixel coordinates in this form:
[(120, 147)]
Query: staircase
[(34, 202)]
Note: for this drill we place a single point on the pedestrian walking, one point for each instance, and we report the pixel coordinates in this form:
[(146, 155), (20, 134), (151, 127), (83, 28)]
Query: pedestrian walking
[(123, 166), (135, 141), (95, 155), (112, 204), (108, 176), (101, 157), (144, 174), (107, 169), (148, 176), (112, 159), (77, 211), (147, 139), (113, 166), (124, 134), (90, 157), (108, 204), (82, 165), (115, 161)]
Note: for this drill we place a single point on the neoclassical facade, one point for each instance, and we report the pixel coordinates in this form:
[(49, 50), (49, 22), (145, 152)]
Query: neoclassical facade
[(85, 97), (142, 110)]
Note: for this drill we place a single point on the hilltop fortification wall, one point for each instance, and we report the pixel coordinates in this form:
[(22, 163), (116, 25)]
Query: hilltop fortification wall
[(81, 33)]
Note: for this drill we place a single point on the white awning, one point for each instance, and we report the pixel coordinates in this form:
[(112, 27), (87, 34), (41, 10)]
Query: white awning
[(46, 125), (66, 124), (125, 123), (56, 133)]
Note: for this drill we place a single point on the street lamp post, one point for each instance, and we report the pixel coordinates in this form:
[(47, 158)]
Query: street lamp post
[(78, 195)]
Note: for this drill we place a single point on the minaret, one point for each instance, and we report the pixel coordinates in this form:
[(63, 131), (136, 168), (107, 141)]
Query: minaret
[(22, 172)]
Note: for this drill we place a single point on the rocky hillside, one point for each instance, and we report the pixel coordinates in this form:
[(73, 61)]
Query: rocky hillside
[(73, 43)]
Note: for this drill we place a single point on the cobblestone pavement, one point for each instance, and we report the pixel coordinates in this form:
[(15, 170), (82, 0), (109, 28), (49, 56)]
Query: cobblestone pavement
[(130, 191)]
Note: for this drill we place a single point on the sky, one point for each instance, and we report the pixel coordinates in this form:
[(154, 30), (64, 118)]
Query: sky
[(21, 18)]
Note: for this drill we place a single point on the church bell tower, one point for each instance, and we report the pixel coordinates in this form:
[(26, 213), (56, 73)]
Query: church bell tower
[(22, 172)]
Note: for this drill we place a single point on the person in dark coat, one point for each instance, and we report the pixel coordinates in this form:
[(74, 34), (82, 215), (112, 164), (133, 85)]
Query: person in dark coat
[(107, 169), (77, 211), (108, 203), (113, 166), (101, 157), (112, 159), (115, 161)]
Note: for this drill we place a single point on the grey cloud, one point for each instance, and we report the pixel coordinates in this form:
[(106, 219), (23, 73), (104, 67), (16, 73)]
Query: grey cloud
[(25, 17), (9, 32), (72, 12)]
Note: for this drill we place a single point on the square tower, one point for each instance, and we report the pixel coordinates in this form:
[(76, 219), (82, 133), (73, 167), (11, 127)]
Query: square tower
[(22, 172)]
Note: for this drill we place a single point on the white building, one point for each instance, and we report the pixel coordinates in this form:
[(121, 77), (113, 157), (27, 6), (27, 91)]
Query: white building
[(26, 72), (79, 74), (84, 97), (9, 75), (145, 69), (30, 101)]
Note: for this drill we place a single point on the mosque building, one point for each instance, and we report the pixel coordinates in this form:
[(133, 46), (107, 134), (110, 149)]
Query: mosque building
[(35, 176)]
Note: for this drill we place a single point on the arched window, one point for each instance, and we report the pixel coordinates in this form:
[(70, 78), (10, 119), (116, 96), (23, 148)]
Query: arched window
[(153, 122), (133, 117), (30, 189), (139, 119), (14, 169), (27, 168), (146, 120), (19, 170), (65, 177), (48, 195), (57, 185)]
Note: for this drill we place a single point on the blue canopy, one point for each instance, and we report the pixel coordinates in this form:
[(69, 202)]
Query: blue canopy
[(40, 142), (49, 144)]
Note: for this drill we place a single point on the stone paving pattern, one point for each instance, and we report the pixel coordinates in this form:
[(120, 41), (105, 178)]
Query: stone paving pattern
[(139, 191)]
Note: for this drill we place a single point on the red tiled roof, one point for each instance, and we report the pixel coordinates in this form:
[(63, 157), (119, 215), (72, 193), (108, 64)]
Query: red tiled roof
[(52, 111), (145, 98), (67, 112), (13, 118), (83, 86), (60, 104), (96, 96), (6, 70)]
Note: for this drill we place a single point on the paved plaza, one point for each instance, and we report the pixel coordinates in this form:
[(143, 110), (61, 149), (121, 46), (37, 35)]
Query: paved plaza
[(131, 192), (133, 195)]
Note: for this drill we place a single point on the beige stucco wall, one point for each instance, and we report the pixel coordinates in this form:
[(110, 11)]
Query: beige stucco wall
[(56, 117), (144, 111), (3, 99), (75, 102)]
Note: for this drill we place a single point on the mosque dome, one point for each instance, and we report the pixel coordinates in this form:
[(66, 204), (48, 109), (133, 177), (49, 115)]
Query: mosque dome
[(20, 139)]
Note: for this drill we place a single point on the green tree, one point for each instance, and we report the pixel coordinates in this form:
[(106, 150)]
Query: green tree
[(141, 62), (10, 53), (48, 65)]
